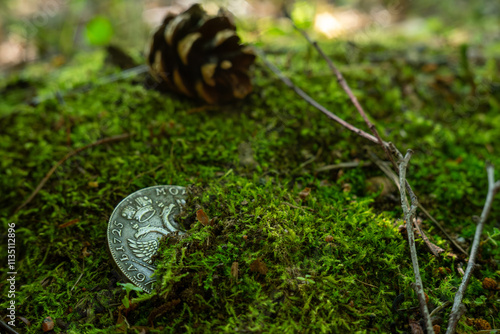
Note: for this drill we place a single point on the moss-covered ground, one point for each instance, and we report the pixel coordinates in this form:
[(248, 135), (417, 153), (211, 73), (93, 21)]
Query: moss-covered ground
[(329, 262)]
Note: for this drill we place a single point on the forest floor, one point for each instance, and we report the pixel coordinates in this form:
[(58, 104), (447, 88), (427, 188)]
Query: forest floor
[(331, 261)]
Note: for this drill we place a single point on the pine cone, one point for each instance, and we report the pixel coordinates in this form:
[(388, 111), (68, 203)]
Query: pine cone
[(201, 56)]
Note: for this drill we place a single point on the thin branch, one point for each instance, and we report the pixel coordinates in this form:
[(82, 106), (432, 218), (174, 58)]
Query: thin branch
[(409, 210), (441, 228), (347, 89), (394, 178), (79, 277), (298, 207), (154, 169), (435, 250), (128, 73), (341, 165), (388, 147), (66, 157), (493, 188), (313, 102), (367, 284), (439, 308), (390, 150)]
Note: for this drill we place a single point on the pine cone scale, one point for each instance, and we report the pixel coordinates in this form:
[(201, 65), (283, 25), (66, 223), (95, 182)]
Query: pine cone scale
[(226, 39), (182, 23), (207, 93), (186, 44), (181, 84), (207, 72), (211, 26)]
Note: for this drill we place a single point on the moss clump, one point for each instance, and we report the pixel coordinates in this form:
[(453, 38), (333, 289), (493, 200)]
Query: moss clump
[(249, 162), (332, 286)]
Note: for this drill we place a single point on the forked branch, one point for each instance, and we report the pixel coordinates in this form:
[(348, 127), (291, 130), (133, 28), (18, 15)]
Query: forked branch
[(390, 150), (457, 309), (409, 209)]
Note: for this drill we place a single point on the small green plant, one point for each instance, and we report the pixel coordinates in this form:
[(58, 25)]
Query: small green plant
[(496, 233), (307, 279), (128, 287), (480, 301)]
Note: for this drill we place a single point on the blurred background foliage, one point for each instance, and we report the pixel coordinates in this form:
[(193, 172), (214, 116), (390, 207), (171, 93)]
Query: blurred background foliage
[(34, 29)]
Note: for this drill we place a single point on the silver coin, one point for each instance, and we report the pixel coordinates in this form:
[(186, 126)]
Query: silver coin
[(135, 227)]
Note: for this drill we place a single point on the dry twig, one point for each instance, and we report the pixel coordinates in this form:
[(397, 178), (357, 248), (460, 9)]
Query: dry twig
[(347, 89), (313, 102), (394, 178), (66, 157), (439, 308), (389, 149), (303, 208), (79, 277), (409, 210), (342, 165), (456, 312)]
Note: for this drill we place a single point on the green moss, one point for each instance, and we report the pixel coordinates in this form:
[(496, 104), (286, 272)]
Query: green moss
[(291, 242), (249, 161)]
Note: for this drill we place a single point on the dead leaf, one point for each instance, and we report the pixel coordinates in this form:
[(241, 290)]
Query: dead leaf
[(245, 154), (141, 329), (258, 266), (415, 327), (431, 67), (121, 325), (93, 184), (58, 61), (47, 281), (202, 217), (85, 252), (26, 321), (234, 270), (304, 193), (445, 79), (69, 223)]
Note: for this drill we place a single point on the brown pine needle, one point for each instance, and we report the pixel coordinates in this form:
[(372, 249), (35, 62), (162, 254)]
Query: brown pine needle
[(66, 157)]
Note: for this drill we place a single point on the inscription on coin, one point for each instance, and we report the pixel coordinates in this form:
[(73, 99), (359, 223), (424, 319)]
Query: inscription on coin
[(135, 227)]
